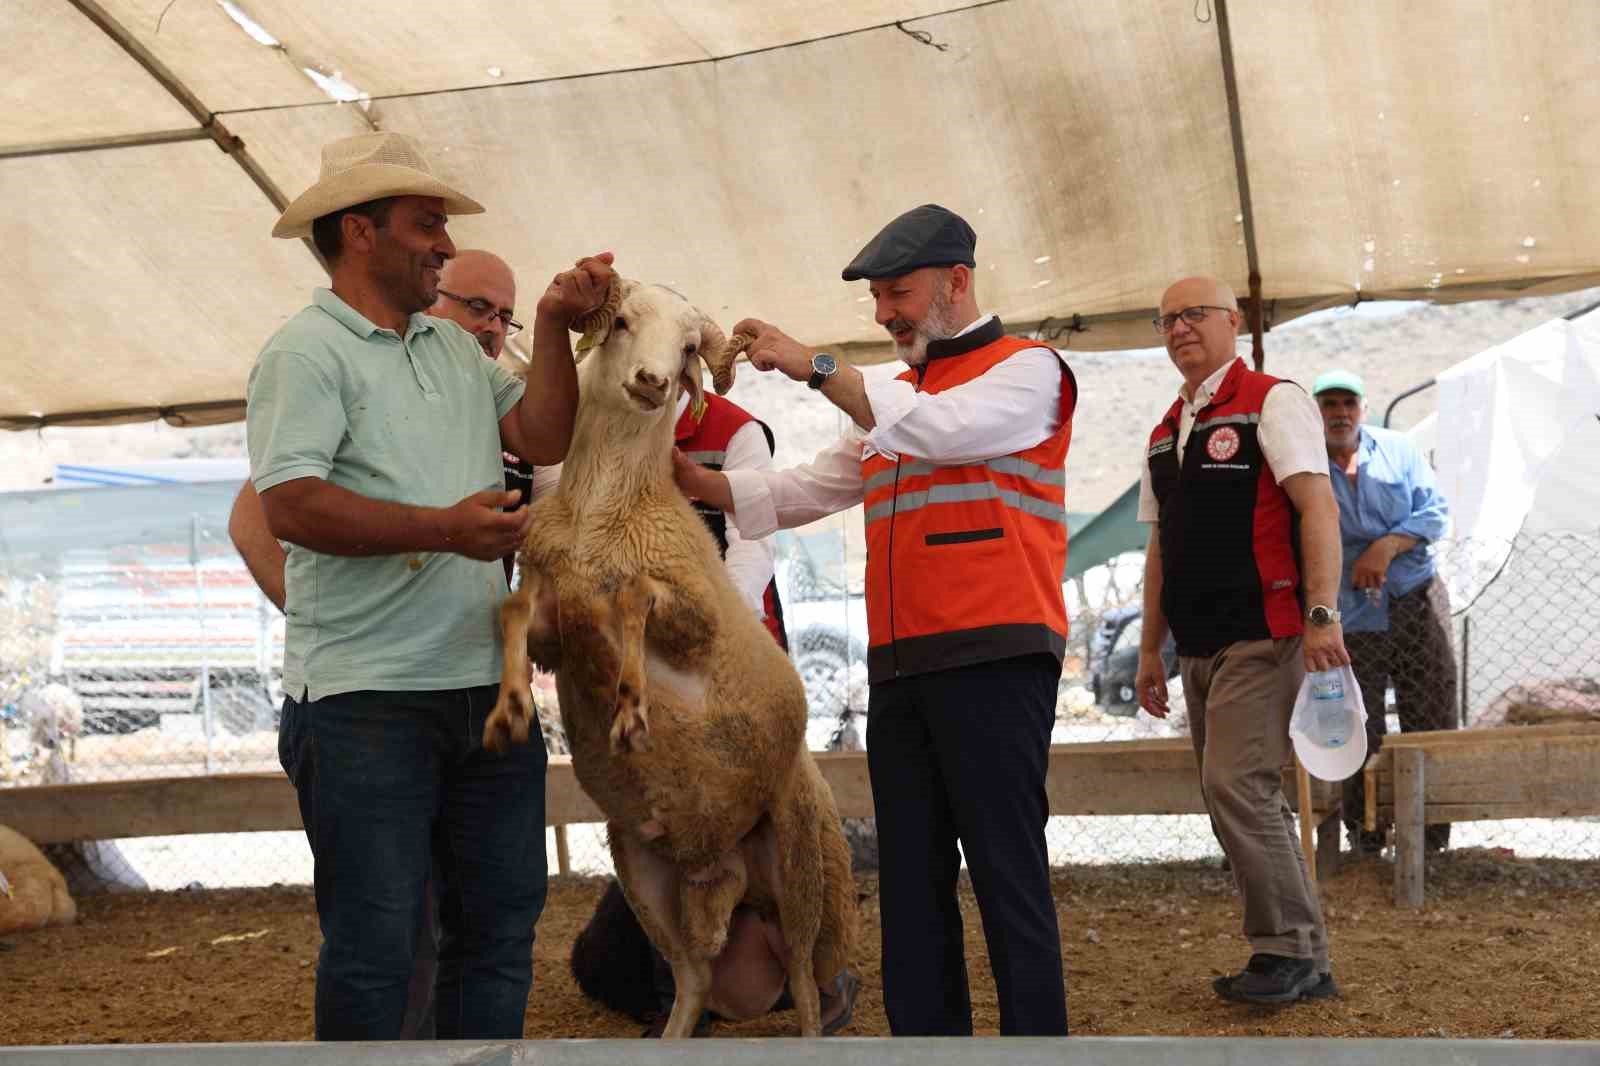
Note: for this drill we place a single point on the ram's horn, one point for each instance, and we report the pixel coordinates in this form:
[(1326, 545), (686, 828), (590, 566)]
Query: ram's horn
[(719, 351), (595, 324)]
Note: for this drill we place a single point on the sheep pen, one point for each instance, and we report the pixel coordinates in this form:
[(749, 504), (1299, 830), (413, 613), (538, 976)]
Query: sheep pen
[(1506, 948)]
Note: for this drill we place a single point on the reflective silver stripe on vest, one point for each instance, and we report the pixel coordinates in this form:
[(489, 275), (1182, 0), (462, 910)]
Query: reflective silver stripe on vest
[(1010, 464), (1006, 464), (708, 458), (981, 490), (1223, 420)]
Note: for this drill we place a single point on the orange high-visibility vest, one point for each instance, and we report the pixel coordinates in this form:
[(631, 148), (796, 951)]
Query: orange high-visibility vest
[(965, 563)]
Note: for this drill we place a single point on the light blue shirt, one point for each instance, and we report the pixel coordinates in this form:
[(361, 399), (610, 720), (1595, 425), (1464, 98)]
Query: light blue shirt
[(411, 419), (1394, 492)]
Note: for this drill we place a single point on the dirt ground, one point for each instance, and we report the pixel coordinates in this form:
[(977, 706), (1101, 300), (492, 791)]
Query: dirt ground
[(1505, 947)]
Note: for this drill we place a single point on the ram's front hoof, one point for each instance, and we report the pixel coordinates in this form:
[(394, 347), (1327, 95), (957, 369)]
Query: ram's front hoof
[(630, 731), (508, 723)]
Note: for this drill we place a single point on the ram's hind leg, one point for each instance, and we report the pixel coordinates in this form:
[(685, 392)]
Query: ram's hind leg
[(523, 621), (652, 886), (790, 860), (630, 726)]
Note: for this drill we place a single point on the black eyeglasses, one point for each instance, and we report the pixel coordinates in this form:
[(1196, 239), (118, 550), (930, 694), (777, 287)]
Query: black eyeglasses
[(484, 309), (1192, 315)]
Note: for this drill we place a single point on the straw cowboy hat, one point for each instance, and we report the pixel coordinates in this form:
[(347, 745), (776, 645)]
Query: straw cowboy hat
[(365, 167)]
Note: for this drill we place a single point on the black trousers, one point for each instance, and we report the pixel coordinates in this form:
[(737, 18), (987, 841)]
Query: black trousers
[(960, 755), (1416, 654)]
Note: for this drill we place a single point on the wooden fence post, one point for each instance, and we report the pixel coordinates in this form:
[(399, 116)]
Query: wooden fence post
[(1302, 788), (1409, 814)]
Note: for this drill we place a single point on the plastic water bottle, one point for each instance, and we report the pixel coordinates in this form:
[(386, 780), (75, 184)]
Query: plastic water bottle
[(1329, 715)]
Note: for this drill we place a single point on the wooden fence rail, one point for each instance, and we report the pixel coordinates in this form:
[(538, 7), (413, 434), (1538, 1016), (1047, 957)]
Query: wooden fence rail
[(1136, 777)]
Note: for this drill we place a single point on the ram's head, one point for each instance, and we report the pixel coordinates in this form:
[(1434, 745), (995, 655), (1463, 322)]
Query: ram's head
[(645, 343)]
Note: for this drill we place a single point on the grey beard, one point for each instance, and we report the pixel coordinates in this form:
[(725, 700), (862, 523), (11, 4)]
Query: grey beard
[(915, 353), (935, 326)]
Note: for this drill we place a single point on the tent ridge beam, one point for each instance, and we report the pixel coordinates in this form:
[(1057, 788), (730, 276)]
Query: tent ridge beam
[(181, 414), (1241, 170), (233, 146), (97, 144), (172, 414)]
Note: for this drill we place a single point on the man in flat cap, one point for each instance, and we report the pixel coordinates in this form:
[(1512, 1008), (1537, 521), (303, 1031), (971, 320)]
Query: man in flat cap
[(960, 464), (375, 435)]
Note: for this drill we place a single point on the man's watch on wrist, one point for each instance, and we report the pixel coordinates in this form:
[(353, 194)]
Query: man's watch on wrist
[(1319, 615), (823, 367)]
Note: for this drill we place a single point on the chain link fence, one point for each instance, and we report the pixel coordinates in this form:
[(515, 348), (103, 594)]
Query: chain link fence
[(111, 669)]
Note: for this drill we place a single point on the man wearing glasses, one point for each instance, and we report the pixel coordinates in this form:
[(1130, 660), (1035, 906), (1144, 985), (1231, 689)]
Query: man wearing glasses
[(478, 292), (1234, 465)]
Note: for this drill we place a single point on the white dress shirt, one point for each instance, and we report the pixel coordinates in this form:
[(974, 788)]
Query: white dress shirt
[(1010, 408), (1290, 433)]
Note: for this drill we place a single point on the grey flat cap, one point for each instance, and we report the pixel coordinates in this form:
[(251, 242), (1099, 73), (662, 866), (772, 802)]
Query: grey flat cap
[(925, 236)]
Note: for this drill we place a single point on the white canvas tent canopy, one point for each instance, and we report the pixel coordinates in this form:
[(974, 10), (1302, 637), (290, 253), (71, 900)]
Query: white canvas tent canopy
[(742, 152)]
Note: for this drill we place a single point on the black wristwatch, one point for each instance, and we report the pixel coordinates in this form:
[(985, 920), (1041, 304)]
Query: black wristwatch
[(1322, 616), (823, 367)]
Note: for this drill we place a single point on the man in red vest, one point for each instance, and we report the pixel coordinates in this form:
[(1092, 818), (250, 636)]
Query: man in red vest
[(724, 436), (960, 465), (1236, 464)]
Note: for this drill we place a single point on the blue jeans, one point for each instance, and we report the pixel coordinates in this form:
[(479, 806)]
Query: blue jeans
[(391, 784)]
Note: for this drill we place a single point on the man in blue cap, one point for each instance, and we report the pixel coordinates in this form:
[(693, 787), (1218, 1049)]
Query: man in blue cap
[(960, 464), (1395, 606)]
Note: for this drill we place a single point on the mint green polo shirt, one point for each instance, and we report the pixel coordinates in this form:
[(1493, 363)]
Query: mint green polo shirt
[(412, 419)]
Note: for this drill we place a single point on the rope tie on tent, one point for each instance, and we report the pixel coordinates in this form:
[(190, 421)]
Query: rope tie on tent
[(922, 37)]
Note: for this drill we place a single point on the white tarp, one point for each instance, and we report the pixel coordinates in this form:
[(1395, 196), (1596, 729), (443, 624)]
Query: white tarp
[(744, 151), (1516, 442)]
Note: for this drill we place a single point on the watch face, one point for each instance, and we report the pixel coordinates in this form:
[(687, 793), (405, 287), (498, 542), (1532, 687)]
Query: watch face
[(823, 363)]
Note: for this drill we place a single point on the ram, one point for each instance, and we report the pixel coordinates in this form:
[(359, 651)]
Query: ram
[(685, 719)]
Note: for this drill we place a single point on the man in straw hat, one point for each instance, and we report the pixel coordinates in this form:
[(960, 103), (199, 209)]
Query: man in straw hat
[(375, 436), (1243, 565)]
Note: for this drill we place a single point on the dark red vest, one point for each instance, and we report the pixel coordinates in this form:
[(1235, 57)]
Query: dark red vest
[(1230, 569), (706, 442)]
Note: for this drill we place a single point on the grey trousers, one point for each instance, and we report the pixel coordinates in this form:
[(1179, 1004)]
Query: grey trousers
[(1240, 700)]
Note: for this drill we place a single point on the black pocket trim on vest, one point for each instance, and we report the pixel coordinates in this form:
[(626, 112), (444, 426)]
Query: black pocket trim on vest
[(965, 536)]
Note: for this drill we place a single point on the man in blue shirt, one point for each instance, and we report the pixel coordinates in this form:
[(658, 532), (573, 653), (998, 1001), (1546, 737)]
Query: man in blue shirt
[(1394, 606)]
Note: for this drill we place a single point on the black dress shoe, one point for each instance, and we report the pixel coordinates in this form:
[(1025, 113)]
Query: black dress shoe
[(1271, 980), (1365, 843), (1325, 988)]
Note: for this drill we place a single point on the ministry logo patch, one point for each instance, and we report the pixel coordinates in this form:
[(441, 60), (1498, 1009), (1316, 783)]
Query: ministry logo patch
[(1223, 444)]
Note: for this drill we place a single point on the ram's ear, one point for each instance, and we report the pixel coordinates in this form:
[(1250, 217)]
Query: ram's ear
[(695, 388), (595, 325), (718, 352)]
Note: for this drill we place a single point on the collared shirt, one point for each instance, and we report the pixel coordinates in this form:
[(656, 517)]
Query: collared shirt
[(1290, 433), (411, 419), (1009, 409), (1394, 492)]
